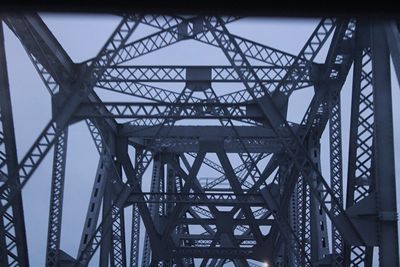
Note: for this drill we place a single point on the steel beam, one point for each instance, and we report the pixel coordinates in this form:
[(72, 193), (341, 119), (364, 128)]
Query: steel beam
[(56, 200), (385, 178), (43, 48), (317, 223), (118, 245), (93, 211), (154, 204), (106, 231), (171, 110), (142, 161), (360, 170), (186, 138), (241, 213), (155, 41), (13, 244), (336, 168), (187, 74), (393, 39)]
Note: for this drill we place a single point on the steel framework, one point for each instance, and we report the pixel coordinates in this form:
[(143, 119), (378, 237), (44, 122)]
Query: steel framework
[(266, 201)]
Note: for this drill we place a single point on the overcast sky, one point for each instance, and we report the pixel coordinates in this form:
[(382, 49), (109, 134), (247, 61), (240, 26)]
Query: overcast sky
[(82, 36)]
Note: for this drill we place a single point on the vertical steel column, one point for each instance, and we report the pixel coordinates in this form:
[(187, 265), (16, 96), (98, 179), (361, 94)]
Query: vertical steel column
[(181, 229), (319, 233), (105, 246), (385, 177), (135, 241), (336, 169), (294, 219), (170, 188), (118, 250), (13, 246), (360, 170), (56, 200), (157, 175), (142, 161), (118, 245), (3, 244), (304, 199), (134, 256), (174, 185), (285, 256)]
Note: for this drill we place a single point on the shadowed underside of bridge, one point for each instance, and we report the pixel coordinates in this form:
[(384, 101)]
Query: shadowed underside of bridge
[(264, 201)]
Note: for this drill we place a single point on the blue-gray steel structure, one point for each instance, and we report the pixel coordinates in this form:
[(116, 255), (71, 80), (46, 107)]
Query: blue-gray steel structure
[(275, 207)]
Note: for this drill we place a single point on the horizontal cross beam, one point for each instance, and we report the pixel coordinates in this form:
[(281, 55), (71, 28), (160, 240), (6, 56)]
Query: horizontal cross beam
[(171, 110), (231, 145), (226, 199), (208, 221), (202, 237), (192, 74), (198, 131), (215, 252), (180, 139)]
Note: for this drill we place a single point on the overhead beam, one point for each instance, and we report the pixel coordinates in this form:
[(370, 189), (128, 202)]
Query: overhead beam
[(196, 131), (188, 74), (165, 110), (225, 199), (180, 139)]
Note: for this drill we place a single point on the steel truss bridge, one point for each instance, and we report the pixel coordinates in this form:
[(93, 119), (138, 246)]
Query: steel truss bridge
[(282, 212)]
